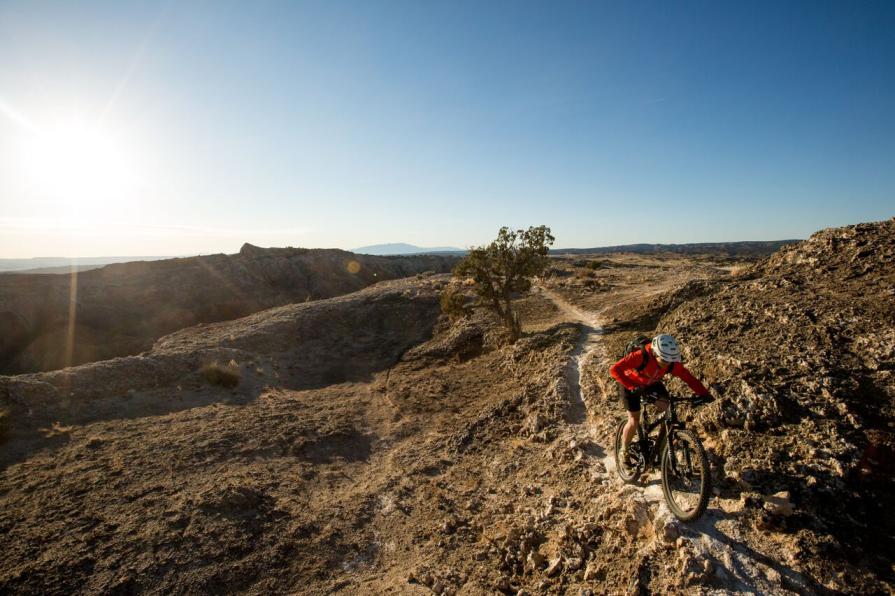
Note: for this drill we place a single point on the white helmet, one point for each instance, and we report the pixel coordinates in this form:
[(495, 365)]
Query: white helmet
[(666, 348)]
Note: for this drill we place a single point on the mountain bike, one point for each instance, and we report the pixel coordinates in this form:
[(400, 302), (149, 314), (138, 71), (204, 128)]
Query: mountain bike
[(686, 477)]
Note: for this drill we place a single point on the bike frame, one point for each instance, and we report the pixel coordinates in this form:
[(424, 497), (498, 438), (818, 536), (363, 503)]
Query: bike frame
[(671, 423), (685, 469)]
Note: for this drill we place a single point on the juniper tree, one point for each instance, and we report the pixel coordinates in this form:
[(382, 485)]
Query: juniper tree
[(505, 267)]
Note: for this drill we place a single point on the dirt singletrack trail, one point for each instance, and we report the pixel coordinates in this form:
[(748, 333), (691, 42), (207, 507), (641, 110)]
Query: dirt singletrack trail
[(581, 416), (712, 535), (586, 348)]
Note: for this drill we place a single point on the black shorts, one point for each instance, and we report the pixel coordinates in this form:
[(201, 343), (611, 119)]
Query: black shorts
[(652, 392)]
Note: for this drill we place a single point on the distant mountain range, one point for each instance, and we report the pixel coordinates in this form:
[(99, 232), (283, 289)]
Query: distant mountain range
[(401, 248), (742, 248), (65, 264), (745, 248)]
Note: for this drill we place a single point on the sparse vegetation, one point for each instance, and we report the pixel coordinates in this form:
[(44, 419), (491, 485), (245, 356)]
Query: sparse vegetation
[(740, 269), (505, 267), (453, 302), (224, 375), (56, 429)]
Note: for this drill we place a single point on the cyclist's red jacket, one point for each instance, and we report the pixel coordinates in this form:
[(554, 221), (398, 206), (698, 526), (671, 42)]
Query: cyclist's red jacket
[(625, 372)]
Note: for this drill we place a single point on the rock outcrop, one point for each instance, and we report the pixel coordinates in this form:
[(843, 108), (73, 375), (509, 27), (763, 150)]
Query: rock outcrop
[(53, 321), (299, 346), (801, 352)]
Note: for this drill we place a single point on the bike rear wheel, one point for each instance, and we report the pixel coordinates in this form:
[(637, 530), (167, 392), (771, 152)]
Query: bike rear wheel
[(629, 470), (686, 477)]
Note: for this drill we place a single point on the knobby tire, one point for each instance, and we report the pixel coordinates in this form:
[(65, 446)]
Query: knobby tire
[(698, 459)]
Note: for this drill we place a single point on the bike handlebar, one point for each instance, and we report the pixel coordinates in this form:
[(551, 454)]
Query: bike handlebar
[(696, 400)]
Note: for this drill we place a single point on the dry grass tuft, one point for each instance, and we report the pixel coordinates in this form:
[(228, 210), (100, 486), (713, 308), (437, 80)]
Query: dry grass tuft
[(224, 375), (453, 302), (741, 269)]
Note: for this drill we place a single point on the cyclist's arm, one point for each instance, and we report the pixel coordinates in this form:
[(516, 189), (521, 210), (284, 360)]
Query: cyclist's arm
[(684, 375), (617, 370)]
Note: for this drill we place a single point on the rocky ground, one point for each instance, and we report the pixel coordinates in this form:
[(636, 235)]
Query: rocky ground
[(53, 321), (374, 446)]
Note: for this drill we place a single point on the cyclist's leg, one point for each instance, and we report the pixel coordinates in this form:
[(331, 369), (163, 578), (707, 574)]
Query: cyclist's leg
[(632, 407), (660, 393)]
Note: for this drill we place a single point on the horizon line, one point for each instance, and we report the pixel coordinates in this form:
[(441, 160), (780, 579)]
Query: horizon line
[(201, 254)]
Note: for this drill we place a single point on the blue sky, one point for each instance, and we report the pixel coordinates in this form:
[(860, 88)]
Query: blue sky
[(202, 125)]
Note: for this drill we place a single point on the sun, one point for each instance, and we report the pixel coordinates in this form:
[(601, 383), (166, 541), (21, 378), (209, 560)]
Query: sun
[(77, 161)]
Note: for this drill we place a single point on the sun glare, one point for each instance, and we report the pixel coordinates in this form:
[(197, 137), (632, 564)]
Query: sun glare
[(75, 161)]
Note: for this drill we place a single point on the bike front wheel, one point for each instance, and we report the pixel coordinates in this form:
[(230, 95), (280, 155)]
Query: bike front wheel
[(686, 477)]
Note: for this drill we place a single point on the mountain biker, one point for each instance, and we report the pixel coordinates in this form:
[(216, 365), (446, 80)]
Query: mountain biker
[(643, 379)]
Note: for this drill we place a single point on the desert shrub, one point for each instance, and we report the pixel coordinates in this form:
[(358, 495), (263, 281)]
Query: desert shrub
[(224, 375), (504, 268), (453, 302), (554, 271), (740, 269)]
